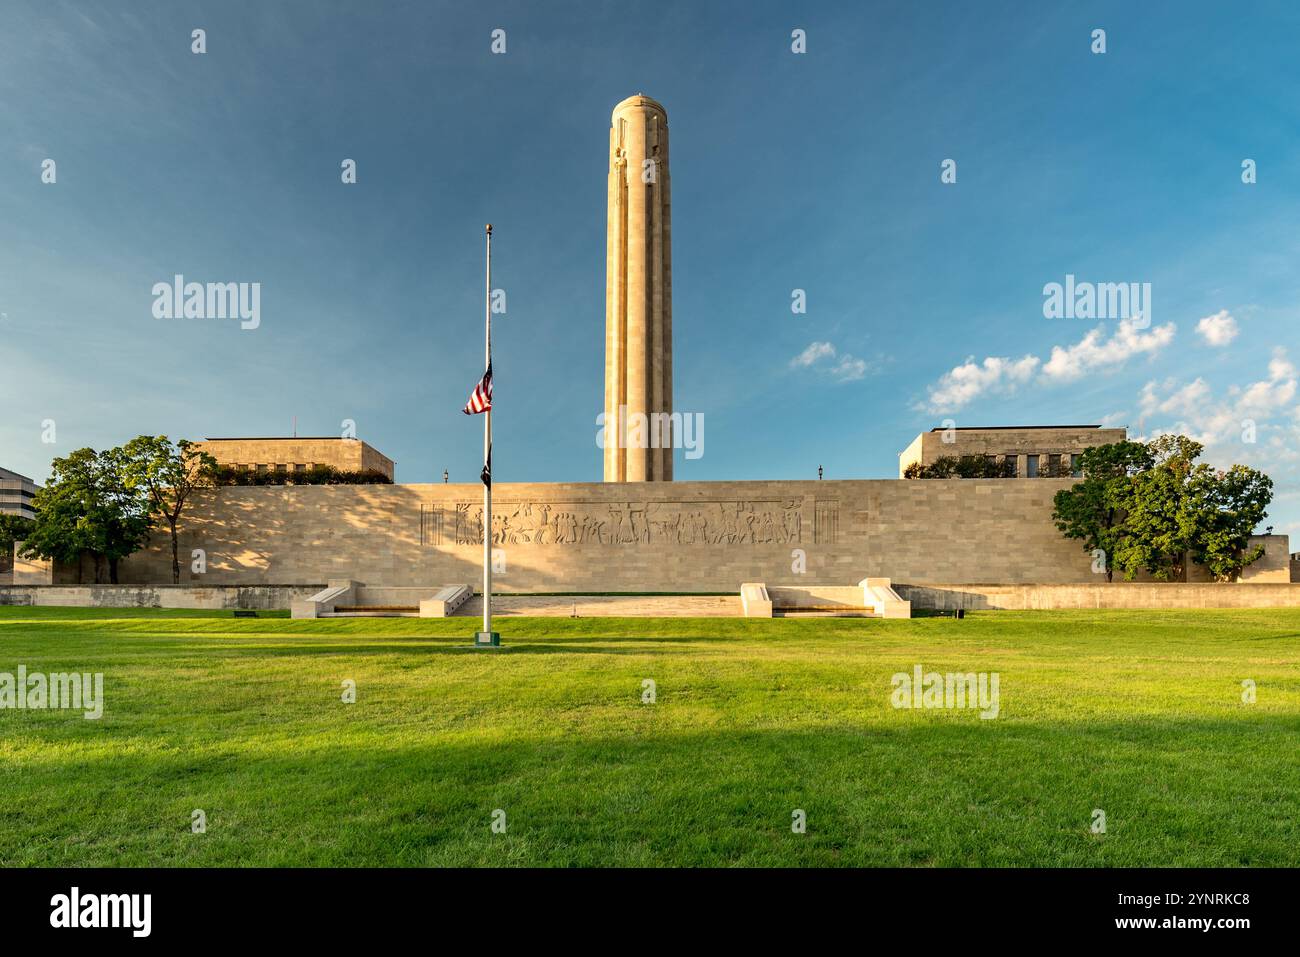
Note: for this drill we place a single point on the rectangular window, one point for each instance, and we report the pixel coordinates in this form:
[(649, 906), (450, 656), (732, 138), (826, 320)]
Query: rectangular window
[(299, 468), (1054, 464), (1031, 466), (1010, 465), (1075, 469)]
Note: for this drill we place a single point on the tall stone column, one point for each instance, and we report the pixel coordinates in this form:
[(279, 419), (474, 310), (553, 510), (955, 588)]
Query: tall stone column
[(638, 296)]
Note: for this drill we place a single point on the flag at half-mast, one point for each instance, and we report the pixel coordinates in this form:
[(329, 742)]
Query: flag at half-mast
[(480, 400)]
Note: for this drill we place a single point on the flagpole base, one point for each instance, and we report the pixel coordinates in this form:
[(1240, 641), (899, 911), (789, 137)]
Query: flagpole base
[(487, 639)]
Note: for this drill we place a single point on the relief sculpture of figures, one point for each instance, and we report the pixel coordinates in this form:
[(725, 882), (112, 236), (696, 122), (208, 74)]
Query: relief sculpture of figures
[(632, 523)]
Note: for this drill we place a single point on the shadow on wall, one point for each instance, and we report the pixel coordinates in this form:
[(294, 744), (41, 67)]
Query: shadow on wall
[(930, 598), (290, 535), (396, 535)]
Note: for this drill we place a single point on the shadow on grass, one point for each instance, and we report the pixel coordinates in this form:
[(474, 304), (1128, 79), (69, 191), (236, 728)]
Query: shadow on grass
[(649, 645), (921, 792), (290, 644)]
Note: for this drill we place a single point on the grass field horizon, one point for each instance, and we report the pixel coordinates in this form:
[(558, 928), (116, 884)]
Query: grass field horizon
[(1137, 713)]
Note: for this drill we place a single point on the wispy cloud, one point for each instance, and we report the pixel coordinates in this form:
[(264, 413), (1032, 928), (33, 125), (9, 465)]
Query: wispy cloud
[(840, 366), (1257, 424), (1114, 420), (1193, 409), (815, 351)]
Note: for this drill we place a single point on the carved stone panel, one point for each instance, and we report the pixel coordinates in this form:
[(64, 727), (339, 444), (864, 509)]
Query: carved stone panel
[(826, 519), (775, 522), (430, 525)]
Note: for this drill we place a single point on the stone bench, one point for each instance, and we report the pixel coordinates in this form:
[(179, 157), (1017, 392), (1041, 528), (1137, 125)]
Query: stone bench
[(339, 591), (445, 602), (755, 601)]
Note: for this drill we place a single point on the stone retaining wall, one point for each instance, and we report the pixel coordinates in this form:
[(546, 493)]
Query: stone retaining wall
[(1105, 596), (156, 596), (923, 597)]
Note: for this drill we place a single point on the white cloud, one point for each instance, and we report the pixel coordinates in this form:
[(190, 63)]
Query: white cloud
[(1192, 409), (1183, 400), (999, 374), (1092, 352), (1219, 329), (1275, 392), (848, 368), (970, 380), (1257, 424)]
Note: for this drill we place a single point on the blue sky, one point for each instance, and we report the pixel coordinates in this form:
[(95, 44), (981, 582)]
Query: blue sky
[(818, 172)]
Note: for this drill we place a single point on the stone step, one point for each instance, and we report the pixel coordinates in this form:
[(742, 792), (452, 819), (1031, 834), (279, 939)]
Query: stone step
[(805, 613), (413, 609), (826, 609), (612, 606), (369, 614)]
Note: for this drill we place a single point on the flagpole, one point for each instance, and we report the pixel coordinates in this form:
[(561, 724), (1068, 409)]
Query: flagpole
[(487, 636)]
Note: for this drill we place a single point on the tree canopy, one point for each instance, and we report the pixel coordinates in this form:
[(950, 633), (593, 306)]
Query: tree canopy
[(104, 504), (164, 474), (86, 507), (1151, 507)]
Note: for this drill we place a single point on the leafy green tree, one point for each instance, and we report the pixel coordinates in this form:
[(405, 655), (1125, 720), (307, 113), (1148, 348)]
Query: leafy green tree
[(945, 466), (1093, 510), (1159, 522), (85, 507), (225, 475), (1182, 511), (1178, 451), (13, 528), (964, 466), (1225, 507), (166, 474)]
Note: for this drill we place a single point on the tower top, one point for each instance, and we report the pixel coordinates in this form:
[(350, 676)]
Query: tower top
[(641, 100)]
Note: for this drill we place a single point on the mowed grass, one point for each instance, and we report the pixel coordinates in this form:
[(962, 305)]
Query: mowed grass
[(1139, 714)]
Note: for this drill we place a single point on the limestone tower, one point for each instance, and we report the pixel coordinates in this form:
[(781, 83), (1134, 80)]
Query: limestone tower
[(638, 296)]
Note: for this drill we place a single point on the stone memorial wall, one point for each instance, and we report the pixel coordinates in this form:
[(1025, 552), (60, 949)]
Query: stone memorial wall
[(620, 537)]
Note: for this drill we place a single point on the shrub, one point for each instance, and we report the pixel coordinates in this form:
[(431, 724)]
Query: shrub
[(964, 466), (316, 475)]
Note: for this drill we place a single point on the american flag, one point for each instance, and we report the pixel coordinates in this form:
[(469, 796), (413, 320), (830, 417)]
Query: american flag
[(480, 400)]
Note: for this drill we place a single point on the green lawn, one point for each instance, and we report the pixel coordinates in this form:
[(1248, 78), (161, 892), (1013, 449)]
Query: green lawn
[(1139, 714)]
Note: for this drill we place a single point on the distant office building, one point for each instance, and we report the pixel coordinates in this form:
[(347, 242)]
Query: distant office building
[(16, 493)]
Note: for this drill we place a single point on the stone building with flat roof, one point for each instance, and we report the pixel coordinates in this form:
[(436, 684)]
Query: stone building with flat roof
[(297, 454), (1026, 451)]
